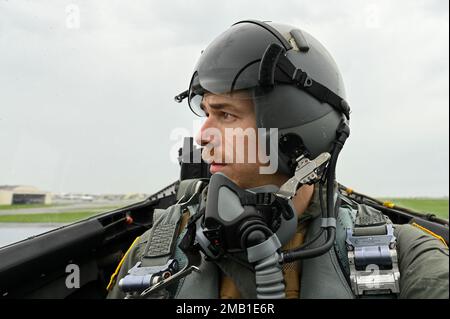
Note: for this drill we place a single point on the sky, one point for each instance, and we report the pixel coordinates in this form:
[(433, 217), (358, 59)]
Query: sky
[(87, 87)]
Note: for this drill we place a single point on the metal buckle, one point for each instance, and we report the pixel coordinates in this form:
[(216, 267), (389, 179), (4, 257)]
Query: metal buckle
[(165, 282), (140, 278), (373, 263)]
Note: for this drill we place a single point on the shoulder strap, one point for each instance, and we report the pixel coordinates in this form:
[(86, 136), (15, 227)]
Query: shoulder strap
[(159, 258), (163, 235)]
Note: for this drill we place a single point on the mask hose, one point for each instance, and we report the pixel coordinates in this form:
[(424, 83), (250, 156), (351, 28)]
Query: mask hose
[(269, 278), (263, 253)]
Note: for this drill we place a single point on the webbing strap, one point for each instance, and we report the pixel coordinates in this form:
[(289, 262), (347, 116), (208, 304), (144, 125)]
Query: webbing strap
[(166, 225), (162, 239), (370, 222), (370, 231), (368, 216)]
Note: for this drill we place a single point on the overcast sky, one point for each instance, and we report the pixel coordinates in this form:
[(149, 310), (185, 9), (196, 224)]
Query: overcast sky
[(86, 88)]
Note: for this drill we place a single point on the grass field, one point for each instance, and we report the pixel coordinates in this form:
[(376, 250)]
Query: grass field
[(47, 218), (438, 206)]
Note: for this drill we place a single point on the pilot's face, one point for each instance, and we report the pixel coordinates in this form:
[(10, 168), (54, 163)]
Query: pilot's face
[(230, 139)]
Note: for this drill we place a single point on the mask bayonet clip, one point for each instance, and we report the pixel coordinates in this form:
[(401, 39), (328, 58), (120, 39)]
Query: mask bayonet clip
[(307, 172)]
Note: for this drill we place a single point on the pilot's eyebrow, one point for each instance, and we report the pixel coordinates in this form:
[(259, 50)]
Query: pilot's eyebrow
[(220, 106)]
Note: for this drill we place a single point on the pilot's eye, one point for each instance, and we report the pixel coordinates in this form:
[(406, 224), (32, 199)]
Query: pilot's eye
[(227, 116)]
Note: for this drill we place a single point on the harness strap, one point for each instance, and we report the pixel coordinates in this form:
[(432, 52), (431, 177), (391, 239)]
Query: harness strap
[(167, 225), (161, 258), (162, 239)]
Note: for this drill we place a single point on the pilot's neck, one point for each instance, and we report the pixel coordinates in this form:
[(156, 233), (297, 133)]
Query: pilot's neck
[(302, 199)]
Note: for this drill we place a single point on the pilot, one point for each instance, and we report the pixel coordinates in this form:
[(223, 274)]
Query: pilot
[(275, 226)]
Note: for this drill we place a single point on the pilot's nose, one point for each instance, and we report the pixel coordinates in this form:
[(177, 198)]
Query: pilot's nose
[(205, 136)]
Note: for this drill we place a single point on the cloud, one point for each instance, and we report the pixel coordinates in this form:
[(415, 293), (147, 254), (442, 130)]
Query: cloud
[(99, 99)]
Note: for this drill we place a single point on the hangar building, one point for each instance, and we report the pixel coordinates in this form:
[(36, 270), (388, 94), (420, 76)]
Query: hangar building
[(20, 194)]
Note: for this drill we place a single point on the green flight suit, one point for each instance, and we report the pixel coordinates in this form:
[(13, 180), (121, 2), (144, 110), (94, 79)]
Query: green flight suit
[(423, 261)]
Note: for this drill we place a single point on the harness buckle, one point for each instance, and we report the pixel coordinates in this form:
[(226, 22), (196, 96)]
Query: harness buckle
[(140, 278), (373, 261)]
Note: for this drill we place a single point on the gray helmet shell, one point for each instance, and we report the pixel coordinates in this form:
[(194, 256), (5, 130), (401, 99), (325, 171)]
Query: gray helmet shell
[(231, 62)]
